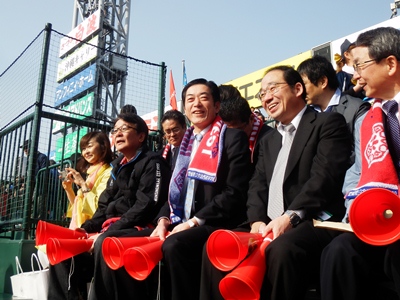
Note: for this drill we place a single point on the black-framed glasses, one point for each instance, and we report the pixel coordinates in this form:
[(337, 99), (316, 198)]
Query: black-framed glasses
[(358, 65), (271, 89), (123, 128)]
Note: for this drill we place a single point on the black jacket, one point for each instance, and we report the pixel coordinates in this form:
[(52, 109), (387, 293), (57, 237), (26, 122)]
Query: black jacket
[(135, 192)]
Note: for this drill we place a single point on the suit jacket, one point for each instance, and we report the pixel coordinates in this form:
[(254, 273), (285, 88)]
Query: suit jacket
[(223, 203), (265, 129), (351, 108), (315, 169)]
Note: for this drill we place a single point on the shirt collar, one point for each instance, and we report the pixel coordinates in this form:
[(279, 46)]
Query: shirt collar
[(296, 120)]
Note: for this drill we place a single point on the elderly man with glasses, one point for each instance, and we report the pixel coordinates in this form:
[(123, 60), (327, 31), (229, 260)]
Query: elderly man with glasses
[(352, 268), (298, 177), (135, 192)]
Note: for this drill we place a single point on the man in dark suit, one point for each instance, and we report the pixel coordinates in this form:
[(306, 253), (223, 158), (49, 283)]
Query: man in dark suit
[(310, 188), (173, 123), (323, 91), (218, 202), (351, 268), (236, 113)]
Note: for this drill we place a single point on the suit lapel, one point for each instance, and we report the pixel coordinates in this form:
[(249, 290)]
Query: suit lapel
[(341, 107), (303, 133)]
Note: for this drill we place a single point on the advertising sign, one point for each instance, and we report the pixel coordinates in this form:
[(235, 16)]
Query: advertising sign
[(81, 32), (75, 85), (77, 59), (249, 85), (69, 144), (78, 109)]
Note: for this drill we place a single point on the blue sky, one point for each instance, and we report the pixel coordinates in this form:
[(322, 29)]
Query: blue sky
[(220, 40)]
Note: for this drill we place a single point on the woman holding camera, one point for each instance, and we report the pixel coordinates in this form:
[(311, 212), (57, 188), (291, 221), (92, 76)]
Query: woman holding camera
[(95, 162)]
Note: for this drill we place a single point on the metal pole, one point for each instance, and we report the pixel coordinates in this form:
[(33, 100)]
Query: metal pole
[(161, 100), (34, 141)]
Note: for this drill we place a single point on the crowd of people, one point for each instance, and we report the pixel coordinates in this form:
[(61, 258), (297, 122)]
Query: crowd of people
[(223, 167)]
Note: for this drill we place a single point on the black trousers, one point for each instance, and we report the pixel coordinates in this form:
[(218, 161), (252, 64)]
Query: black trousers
[(70, 283), (111, 284), (352, 269), (182, 257), (292, 262)]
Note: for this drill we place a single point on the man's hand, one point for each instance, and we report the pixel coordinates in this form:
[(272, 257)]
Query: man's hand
[(161, 229), (278, 226), (94, 238), (181, 227)]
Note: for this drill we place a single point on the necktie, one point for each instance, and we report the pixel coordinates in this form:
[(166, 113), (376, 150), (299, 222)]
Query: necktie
[(174, 154), (190, 184), (393, 130), (275, 197)]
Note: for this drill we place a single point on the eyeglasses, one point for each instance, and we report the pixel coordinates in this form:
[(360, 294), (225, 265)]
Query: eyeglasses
[(272, 89), (123, 128), (174, 130), (358, 65)]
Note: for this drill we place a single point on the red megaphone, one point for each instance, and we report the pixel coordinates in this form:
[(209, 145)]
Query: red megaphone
[(113, 248), (375, 216), (226, 248), (245, 281), (140, 261), (46, 230), (61, 249)]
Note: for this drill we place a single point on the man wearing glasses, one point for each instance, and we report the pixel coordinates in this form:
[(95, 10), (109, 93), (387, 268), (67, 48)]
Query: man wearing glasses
[(298, 178), (173, 123), (351, 268), (135, 192)]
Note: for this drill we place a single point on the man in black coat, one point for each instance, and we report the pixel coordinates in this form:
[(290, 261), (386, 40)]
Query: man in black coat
[(323, 92), (135, 192), (219, 202), (310, 188)]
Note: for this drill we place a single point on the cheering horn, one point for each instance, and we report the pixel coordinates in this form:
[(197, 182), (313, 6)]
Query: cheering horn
[(375, 216), (140, 261), (226, 248), (245, 281), (62, 249), (45, 230), (113, 248)]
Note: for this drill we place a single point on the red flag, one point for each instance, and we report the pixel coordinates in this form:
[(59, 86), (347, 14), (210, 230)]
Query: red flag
[(172, 92)]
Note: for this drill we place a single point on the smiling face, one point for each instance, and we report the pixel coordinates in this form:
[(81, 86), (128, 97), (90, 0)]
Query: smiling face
[(127, 141), (92, 152), (200, 108), (373, 75), (284, 102)]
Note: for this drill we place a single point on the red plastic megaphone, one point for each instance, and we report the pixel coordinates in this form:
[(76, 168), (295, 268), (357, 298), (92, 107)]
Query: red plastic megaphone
[(46, 230), (375, 216), (246, 280), (61, 249), (140, 261), (113, 248), (226, 248)]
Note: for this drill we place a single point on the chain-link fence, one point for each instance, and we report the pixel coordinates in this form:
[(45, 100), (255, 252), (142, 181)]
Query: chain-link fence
[(49, 102)]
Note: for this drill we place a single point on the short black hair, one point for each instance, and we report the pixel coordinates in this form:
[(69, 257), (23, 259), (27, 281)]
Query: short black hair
[(210, 84), (128, 108), (174, 115), (235, 109), (318, 67), (291, 77)]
